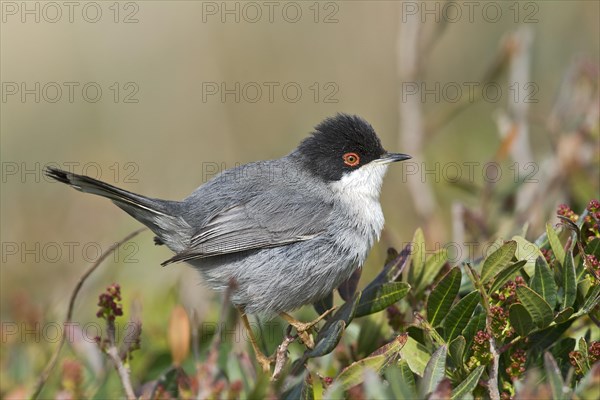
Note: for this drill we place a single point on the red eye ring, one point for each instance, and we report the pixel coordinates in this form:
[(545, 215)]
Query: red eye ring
[(351, 159)]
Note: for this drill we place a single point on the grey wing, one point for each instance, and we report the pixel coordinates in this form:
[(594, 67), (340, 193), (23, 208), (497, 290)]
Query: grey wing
[(255, 225)]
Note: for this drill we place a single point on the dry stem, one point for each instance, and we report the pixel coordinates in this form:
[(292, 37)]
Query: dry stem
[(51, 364)]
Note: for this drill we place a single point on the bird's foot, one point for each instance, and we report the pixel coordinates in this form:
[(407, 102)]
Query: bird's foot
[(304, 328), (265, 362)]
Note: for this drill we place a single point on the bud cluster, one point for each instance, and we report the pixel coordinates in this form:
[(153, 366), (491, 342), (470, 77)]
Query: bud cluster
[(591, 226), (507, 295), (501, 328), (109, 303), (517, 364), (577, 359), (481, 350), (565, 211)]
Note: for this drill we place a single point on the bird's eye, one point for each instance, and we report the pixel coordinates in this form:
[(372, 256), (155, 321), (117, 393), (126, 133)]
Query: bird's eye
[(351, 159)]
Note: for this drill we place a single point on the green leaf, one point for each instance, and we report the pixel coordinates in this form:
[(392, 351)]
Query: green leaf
[(354, 373), (324, 304), (547, 337), (506, 275), (380, 297), (433, 265), (520, 319), (303, 390), (569, 281), (348, 288), (543, 282), (369, 336), (593, 247), (442, 296), (393, 267), (467, 386), (418, 258), (557, 248), (456, 348), (564, 315), (344, 313), (459, 315), (416, 355), (328, 341), (585, 360), (401, 381), (434, 372), (554, 377), (536, 306), (497, 261), (560, 351), (527, 251), (591, 300)]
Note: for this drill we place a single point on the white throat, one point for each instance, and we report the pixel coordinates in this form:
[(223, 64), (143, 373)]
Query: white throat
[(363, 182), (358, 192)]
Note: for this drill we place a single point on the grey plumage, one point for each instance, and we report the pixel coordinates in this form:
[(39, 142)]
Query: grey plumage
[(283, 233)]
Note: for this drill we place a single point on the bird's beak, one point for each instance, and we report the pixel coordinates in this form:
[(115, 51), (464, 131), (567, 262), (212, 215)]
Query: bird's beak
[(393, 157)]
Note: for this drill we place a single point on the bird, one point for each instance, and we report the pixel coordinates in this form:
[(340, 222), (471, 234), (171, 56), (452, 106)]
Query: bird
[(277, 234)]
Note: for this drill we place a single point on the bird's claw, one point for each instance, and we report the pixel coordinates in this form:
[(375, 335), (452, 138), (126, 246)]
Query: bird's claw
[(265, 362), (304, 328)]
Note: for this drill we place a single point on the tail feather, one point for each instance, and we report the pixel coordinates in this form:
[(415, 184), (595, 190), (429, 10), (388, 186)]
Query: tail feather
[(90, 185), (161, 216)]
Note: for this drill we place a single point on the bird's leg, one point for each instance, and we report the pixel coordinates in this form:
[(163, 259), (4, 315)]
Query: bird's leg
[(264, 361), (303, 328)]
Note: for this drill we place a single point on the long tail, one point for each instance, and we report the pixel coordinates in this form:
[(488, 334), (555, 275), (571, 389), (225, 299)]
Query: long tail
[(161, 216)]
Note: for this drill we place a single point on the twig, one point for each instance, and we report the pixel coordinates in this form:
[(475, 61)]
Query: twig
[(430, 329), (50, 366), (282, 356), (207, 373), (123, 371), (493, 373)]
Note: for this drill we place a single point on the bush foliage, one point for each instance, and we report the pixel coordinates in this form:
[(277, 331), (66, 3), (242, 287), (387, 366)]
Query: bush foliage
[(521, 322)]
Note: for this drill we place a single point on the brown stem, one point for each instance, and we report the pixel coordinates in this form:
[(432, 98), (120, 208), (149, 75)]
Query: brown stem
[(123, 371), (50, 366), (281, 356), (493, 373)]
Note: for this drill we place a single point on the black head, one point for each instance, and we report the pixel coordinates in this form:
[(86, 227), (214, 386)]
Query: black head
[(339, 145)]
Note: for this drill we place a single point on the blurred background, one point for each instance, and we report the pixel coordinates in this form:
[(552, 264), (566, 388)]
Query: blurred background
[(496, 101)]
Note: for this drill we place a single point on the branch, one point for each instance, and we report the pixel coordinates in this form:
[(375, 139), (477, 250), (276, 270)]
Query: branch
[(51, 364), (123, 371), (282, 356), (493, 381)]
